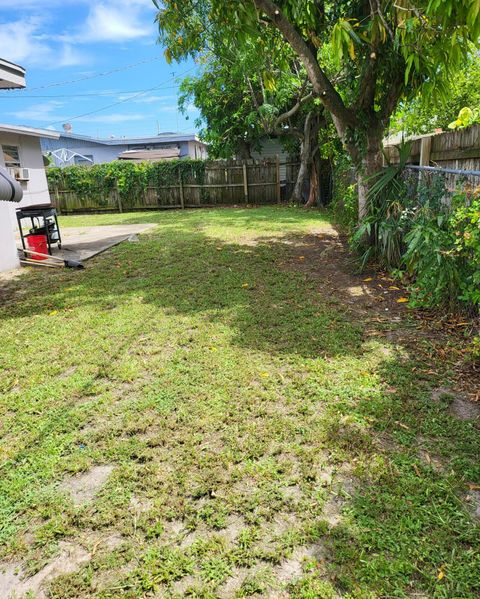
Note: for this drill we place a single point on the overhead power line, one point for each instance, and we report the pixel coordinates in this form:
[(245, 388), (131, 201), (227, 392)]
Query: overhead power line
[(142, 93), (91, 95), (95, 75)]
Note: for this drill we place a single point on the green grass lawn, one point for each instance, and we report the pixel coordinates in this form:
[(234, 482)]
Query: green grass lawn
[(263, 439)]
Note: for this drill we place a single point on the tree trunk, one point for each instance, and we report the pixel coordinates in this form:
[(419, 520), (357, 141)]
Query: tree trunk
[(244, 150), (370, 164), (313, 196), (305, 158)]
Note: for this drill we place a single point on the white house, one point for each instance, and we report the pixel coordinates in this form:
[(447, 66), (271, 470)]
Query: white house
[(21, 158)]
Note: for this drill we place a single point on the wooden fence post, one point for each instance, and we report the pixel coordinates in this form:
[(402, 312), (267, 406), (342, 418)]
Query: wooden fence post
[(425, 150), (182, 199), (277, 174), (245, 182)]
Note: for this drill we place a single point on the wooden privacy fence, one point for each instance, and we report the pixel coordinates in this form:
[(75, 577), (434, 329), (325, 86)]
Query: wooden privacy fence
[(453, 154), (451, 150), (221, 183)]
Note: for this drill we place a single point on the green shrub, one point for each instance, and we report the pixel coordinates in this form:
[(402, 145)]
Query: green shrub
[(130, 178), (432, 261), (443, 253), (421, 229), (465, 223)]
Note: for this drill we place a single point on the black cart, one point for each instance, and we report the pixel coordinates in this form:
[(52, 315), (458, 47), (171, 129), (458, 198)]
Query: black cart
[(44, 221)]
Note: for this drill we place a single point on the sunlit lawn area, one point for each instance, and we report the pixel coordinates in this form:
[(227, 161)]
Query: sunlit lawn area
[(261, 438)]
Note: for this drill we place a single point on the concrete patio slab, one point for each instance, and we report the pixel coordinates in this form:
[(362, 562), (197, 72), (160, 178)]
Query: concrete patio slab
[(82, 243)]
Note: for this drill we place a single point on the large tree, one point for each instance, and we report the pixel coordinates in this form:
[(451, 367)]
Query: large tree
[(247, 92), (384, 50)]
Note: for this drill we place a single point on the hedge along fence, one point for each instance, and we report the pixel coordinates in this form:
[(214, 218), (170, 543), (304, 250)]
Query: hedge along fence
[(121, 185)]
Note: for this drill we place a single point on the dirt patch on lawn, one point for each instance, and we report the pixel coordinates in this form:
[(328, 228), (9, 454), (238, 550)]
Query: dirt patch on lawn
[(13, 585), (84, 487), (459, 406), (292, 569)]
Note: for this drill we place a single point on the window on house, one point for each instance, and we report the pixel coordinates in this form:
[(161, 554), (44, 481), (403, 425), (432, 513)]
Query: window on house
[(11, 156)]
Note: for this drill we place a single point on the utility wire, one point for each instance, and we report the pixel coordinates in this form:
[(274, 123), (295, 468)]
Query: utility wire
[(92, 95), (142, 93), (94, 76)]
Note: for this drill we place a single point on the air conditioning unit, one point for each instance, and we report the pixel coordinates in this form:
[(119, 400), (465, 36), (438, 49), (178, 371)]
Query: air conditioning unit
[(23, 174), (13, 172)]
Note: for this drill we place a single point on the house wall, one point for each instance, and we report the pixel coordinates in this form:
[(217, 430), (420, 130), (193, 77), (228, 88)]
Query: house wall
[(269, 151), (196, 151), (35, 191), (105, 153), (8, 249)]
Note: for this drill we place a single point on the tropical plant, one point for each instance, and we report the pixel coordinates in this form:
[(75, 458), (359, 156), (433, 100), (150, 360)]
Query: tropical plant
[(380, 235), (432, 261)]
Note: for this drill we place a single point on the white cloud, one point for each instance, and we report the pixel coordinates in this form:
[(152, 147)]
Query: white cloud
[(25, 42), (147, 99), (32, 4), (33, 41), (71, 57), (116, 21), (48, 112), (20, 41), (44, 111)]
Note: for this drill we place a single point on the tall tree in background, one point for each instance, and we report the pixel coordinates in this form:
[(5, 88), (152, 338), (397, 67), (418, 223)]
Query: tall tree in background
[(250, 92), (385, 51)]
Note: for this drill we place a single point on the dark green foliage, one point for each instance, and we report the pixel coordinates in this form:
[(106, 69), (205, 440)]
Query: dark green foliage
[(380, 235), (427, 232), (131, 178), (423, 114)]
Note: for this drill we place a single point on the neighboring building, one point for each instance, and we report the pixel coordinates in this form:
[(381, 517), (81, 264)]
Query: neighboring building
[(271, 148), (71, 148)]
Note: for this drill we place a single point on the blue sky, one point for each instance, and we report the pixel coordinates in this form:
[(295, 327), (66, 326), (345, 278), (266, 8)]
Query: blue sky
[(77, 41)]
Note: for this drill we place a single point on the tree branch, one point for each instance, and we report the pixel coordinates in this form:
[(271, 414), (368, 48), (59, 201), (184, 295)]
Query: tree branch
[(322, 86), (287, 115), (368, 83), (393, 95)]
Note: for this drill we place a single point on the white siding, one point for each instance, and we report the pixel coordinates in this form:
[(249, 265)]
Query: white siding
[(269, 151), (8, 249), (35, 191)]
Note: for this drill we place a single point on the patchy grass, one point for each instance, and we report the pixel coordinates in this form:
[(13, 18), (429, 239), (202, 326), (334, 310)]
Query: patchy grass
[(264, 435)]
